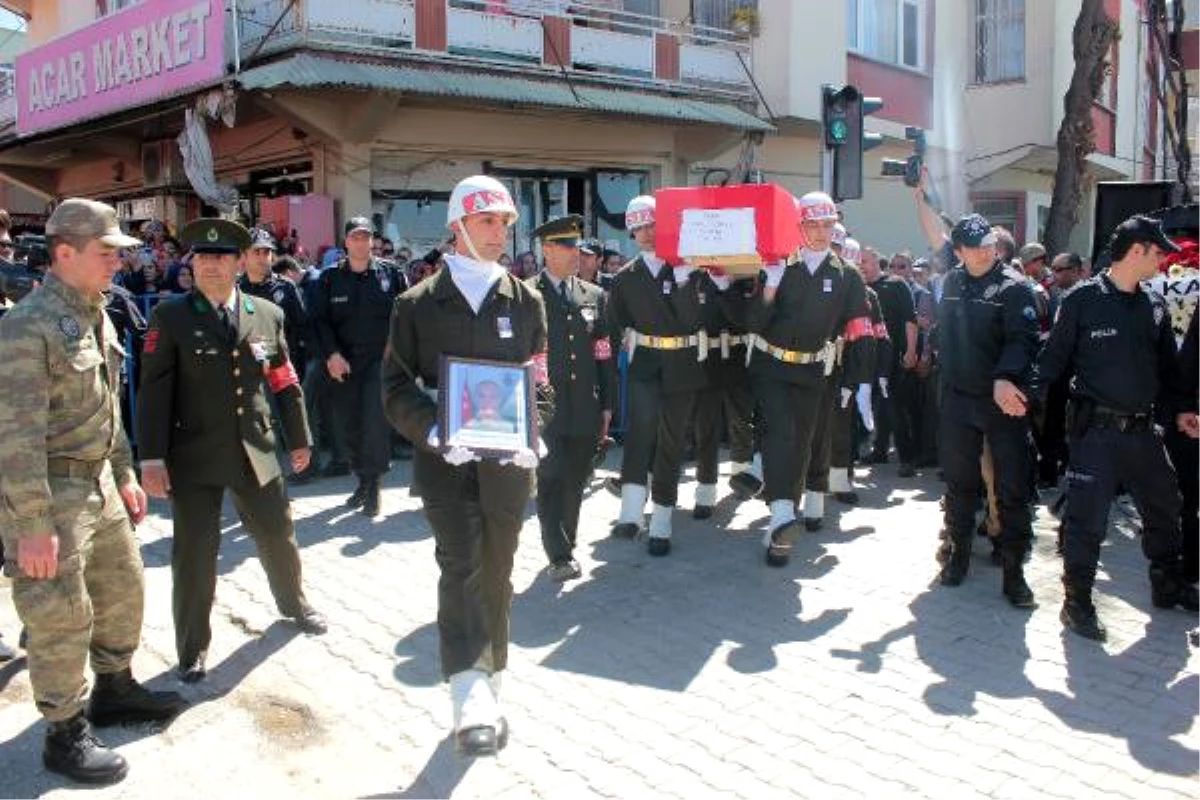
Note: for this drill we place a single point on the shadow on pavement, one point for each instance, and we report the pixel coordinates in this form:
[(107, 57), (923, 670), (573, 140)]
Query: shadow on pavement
[(224, 677), (647, 621), (438, 778)]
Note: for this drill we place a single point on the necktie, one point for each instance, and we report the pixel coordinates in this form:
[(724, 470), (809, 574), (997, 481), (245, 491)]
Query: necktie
[(562, 290), (227, 321)]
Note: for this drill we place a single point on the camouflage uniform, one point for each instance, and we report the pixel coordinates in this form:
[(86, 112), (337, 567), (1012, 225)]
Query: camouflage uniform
[(63, 453)]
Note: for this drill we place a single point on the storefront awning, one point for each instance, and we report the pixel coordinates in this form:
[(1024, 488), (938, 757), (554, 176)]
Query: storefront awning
[(307, 71)]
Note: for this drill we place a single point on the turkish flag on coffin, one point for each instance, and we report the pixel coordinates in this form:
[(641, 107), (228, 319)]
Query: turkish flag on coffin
[(738, 228)]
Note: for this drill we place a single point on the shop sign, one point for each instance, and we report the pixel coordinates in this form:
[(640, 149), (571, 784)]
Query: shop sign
[(145, 53)]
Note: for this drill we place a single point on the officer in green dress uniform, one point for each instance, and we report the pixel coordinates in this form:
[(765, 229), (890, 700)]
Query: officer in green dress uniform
[(203, 421), (583, 376)]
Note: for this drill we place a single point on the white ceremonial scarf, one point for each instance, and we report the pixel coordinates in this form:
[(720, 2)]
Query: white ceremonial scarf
[(473, 278)]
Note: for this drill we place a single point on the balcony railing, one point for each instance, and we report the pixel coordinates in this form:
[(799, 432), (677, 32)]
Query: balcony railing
[(593, 39)]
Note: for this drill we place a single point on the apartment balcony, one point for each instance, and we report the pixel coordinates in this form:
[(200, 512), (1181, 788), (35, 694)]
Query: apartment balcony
[(552, 39)]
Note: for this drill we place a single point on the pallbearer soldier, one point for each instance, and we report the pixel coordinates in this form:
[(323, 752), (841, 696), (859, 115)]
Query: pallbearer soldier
[(204, 426), (582, 374), (829, 469), (68, 496), (655, 312), (471, 308), (727, 397), (794, 320)]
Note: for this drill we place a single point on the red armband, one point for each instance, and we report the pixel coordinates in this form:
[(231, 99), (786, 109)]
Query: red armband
[(859, 328), (281, 377), (541, 368), (151, 343), (601, 350)]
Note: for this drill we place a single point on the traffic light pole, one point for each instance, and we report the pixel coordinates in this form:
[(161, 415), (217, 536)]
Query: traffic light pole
[(827, 170)]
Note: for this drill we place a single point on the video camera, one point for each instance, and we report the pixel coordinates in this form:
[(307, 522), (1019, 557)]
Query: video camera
[(27, 270), (910, 168)]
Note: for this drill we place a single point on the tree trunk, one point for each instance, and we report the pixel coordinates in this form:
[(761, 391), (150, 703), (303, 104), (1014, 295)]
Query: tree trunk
[(1093, 34)]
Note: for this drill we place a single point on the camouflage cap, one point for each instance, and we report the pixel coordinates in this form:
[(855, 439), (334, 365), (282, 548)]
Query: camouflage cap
[(79, 217), (215, 236)]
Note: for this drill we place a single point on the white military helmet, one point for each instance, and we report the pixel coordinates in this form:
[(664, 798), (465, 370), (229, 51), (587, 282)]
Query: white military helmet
[(839, 235), (816, 207), (639, 213), (851, 251), (477, 194)]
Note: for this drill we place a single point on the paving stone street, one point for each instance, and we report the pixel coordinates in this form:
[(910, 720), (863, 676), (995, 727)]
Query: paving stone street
[(848, 674)]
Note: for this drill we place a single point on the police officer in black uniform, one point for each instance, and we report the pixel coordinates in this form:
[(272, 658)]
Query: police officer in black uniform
[(354, 304), (1117, 338), (260, 280), (471, 308), (582, 374), (987, 329), (209, 359)]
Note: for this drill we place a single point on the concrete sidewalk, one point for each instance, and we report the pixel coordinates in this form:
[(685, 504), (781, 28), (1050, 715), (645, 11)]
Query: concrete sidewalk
[(848, 674)]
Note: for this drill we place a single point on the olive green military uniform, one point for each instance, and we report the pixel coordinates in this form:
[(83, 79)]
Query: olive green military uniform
[(583, 375), (203, 409), (476, 510), (63, 454)]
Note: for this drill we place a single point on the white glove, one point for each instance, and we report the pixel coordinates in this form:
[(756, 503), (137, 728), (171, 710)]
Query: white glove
[(523, 458), (682, 273), (846, 395), (720, 281), (433, 438), (883, 387), (775, 275), (458, 455), (863, 401)]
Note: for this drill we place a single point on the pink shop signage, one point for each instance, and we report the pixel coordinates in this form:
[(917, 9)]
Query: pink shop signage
[(138, 56)]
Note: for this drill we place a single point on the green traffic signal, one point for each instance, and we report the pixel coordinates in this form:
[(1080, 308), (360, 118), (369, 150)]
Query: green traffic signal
[(839, 131)]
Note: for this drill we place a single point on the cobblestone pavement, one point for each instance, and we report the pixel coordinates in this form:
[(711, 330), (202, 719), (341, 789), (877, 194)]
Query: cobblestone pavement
[(848, 674)]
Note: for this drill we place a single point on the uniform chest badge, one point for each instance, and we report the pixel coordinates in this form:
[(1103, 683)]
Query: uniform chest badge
[(385, 282), (827, 286), (1158, 315), (69, 327), (504, 327), (259, 351), (589, 313), (666, 287)]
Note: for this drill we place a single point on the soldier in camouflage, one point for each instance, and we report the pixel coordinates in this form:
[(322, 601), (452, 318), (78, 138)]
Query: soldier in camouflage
[(69, 498)]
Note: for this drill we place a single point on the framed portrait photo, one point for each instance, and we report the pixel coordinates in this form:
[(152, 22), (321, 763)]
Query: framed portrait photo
[(487, 406)]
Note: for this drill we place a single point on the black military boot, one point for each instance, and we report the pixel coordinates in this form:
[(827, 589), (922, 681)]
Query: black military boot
[(1169, 587), (359, 496), (117, 698), (71, 749), (1015, 588), (958, 560), (370, 502), (1078, 613)]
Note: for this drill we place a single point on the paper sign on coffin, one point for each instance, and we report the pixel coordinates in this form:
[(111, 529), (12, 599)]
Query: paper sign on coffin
[(737, 228)]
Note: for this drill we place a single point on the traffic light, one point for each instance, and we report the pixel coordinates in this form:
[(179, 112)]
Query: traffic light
[(843, 109)]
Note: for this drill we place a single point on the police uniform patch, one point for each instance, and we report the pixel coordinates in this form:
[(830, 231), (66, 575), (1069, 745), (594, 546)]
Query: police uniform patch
[(991, 291), (277, 296), (1030, 313), (69, 327)]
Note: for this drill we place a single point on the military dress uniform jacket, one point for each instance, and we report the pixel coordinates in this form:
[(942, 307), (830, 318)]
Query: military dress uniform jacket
[(986, 330), (581, 366), (203, 403), (654, 305), (58, 401), (809, 311), (433, 318)]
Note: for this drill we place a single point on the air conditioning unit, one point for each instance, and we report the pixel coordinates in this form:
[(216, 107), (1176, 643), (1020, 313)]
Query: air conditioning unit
[(162, 164)]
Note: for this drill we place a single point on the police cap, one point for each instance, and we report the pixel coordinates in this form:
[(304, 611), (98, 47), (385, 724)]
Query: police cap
[(592, 247), (1140, 229), (261, 239), (355, 224), (972, 230), (215, 236), (566, 231)]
